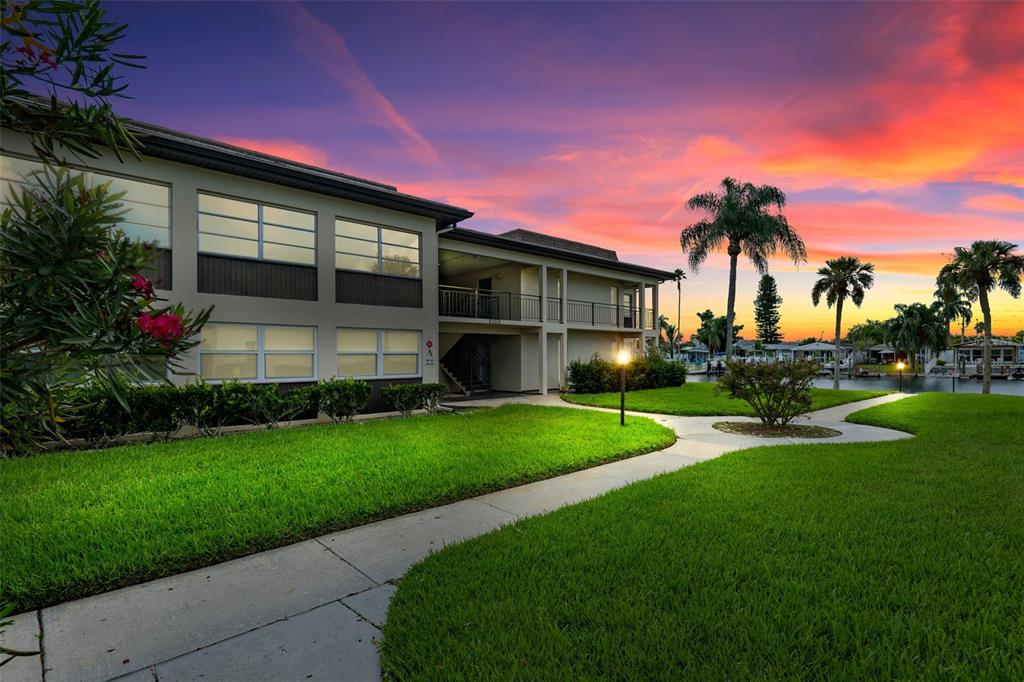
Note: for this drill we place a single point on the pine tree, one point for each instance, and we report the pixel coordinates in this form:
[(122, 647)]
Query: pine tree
[(766, 311)]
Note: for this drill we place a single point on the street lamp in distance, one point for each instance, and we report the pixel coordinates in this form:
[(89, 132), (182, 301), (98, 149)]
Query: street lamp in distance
[(622, 359), (900, 365)]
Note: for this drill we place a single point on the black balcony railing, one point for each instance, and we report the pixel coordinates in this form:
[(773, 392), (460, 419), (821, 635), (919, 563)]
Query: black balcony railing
[(609, 315), (554, 311), (487, 304)]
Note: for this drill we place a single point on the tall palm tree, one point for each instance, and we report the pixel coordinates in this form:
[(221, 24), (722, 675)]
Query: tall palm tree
[(678, 276), (955, 305), (745, 218), (842, 278), (977, 270)]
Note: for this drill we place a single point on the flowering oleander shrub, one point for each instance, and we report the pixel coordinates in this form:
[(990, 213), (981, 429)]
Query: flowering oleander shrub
[(75, 308), (597, 375)]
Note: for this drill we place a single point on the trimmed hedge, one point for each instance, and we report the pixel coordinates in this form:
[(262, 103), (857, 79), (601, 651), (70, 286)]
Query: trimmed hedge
[(646, 371), (100, 419), (408, 397)]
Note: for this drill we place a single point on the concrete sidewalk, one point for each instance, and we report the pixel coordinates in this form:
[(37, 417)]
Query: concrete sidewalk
[(313, 610)]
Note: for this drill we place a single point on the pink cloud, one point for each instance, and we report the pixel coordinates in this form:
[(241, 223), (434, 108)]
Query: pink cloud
[(284, 148)]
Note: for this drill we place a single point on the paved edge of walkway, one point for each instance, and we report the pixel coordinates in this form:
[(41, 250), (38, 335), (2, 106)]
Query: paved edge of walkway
[(314, 609)]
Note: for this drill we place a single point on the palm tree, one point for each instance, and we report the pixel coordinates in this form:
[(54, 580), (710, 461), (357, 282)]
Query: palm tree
[(955, 305), (745, 218), (671, 334), (842, 278), (917, 328), (977, 271), (678, 276)]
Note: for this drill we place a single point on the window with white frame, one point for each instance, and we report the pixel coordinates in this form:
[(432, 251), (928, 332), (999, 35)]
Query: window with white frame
[(257, 352), (372, 248), (146, 206), (251, 229), (377, 353)]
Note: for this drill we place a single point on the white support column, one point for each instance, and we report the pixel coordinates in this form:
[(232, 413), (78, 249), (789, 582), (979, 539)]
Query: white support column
[(543, 294), (563, 377), (654, 303), (565, 296), (542, 344), (642, 298)]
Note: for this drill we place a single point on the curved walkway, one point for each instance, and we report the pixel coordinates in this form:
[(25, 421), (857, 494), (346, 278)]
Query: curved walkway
[(313, 610)]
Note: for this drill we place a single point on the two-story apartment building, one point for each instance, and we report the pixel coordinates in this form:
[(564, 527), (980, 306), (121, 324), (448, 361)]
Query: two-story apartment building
[(315, 274)]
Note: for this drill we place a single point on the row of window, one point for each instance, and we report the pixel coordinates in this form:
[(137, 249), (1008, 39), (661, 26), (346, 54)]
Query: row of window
[(254, 352), (146, 206), (245, 229)]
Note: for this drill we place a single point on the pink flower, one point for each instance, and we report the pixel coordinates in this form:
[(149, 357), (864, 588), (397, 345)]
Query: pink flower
[(142, 285), (163, 327)]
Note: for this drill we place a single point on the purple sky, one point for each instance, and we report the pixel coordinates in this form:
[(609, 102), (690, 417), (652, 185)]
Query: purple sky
[(897, 129)]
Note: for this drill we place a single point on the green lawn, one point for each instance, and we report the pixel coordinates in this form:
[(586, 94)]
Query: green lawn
[(899, 560), (76, 523), (700, 399)]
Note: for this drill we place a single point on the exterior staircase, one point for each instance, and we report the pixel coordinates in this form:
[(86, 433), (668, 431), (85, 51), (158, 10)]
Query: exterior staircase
[(466, 367)]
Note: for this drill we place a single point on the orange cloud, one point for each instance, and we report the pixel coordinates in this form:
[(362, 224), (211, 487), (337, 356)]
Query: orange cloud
[(997, 202), (284, 148)]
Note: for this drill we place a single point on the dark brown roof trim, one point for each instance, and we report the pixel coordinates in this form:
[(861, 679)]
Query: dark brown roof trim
[(172, 145), (485, 239)]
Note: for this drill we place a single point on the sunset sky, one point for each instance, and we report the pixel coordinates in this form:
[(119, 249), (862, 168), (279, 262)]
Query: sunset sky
[(897, 130)]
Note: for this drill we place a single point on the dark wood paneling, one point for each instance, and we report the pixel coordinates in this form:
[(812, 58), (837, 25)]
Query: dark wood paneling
[(367, 288), (160, 271), (377, 403), (243, 277)]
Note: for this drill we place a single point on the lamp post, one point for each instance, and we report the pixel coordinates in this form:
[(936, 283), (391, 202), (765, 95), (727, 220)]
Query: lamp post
[(622, 359), (900, 366)]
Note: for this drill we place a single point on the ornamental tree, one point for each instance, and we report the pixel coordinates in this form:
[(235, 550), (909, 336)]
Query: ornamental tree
[(75, 304)]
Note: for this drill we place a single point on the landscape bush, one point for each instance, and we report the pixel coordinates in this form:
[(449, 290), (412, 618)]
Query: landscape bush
[(409, 397), (597, 375), (100, 417), (778, 392), (341, 399)]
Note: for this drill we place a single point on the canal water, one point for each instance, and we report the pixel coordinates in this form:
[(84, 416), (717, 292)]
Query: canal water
[(910, 384)]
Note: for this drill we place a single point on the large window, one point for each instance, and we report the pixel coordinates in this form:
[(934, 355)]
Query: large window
[(146, 205), (252, 352), (371, 248), (375, 354), (250, 229)]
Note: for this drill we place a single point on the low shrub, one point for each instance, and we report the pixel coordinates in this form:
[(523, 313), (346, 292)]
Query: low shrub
[(646, 371), (341, 399), (778, 392), (408, 397)]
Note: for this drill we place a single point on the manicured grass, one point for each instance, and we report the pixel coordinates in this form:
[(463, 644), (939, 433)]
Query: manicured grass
[(76, 523), (898, 560), (700, 399)]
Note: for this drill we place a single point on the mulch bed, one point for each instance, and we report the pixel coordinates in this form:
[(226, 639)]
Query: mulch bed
[(789, 431)]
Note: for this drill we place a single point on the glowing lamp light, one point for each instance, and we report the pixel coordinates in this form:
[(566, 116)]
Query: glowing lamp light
[(900, 365), (622, 359)]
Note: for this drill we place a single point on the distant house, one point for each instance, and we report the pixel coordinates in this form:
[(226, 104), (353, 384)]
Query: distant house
[(1004, 354), (881, 354), (821, 352), (694, 353), (779, 352)]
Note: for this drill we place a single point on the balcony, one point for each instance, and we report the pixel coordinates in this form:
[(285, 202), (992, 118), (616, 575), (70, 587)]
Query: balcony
[(609, 315), (500, 306), (486, 304)]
